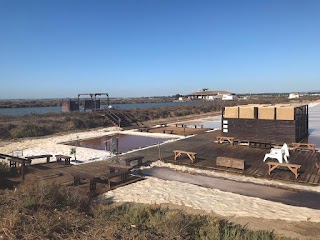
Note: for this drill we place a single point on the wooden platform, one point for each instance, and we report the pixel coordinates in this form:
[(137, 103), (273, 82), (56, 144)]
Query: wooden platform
[(207, 153)]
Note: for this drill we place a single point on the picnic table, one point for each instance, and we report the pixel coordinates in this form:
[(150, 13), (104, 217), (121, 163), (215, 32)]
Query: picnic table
[(47, 156), (191, 155), (221, 139), (302, 146), (292, 167), (66, 159)]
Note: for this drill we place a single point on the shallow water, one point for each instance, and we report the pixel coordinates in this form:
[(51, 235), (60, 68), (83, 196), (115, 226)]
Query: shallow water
[(211, 122), (126, 142), (314, 125), (58, 109)]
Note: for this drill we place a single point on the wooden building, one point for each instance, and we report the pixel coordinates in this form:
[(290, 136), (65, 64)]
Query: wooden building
[(69, 105), (276, 124)]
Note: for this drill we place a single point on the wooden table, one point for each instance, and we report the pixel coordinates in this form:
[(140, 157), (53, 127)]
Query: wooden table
[(23, 163), (307, 146), (78, 175), (47, 156), (292, 167), (66, 159), (118, 167), (169, 131), (129, 160), (221, 139), (191, 155), (123, 174)]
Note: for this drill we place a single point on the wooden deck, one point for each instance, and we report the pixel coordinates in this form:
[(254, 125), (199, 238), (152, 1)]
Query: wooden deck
[(60, 173), (207, 152)]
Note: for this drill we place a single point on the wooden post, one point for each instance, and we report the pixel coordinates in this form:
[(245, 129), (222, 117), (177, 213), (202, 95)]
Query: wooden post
[(22, 170)]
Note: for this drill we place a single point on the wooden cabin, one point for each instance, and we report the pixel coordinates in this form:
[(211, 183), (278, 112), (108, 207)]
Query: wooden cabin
[(276, 124), (69, 105)]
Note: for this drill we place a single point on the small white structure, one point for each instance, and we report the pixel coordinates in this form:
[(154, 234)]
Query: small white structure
[(229, 97), (279, 154), (293, 95)]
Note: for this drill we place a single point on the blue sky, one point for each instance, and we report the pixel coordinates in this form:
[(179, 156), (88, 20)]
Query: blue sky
[(134, 48)]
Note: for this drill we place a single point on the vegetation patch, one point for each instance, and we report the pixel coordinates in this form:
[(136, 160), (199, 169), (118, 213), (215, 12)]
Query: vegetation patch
[(38, 210)]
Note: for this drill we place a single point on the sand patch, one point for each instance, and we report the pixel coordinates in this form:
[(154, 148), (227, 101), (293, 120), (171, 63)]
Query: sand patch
[(156, 191)]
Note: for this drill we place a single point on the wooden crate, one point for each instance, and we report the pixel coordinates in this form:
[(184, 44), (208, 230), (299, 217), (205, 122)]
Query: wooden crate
[(230, 162)]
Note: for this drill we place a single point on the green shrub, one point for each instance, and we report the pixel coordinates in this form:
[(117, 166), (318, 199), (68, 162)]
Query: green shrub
[(4, 170), (29, 130)]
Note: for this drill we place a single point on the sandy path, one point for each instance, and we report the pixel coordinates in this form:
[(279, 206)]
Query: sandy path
[(286, 196)]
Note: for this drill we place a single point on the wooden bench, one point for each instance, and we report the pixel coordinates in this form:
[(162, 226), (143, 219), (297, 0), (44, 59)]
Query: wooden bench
[(256, 144), (221, 139), (138, 158), (195, 126), (230, 162), (23, 163), (47, 156), (303, 146), (292, 167), (191, 155), (117, 167), (168, 131), (181, 125), (66, 159), (144, 129), (78, 175), (123, 174)]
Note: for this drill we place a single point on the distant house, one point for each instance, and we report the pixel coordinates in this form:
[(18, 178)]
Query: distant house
[(204, 94)]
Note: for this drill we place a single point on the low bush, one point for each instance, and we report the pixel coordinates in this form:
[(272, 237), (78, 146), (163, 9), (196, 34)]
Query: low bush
[(4, 170), (39, 210)]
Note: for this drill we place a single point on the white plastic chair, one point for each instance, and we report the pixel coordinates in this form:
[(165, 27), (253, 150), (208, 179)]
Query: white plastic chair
[(279, 154)]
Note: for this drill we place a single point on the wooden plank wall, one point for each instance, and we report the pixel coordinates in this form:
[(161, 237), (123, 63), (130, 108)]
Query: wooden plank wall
[(272, 131), (302, 122)]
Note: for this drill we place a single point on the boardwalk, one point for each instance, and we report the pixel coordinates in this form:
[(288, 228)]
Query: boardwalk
[(207, 152)]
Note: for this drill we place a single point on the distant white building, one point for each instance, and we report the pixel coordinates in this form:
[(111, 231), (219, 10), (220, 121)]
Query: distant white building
[(204, 94), (230, 97), (293, 95)]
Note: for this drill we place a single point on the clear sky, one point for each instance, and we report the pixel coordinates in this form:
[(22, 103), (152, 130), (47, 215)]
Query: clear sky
[(134, 48)]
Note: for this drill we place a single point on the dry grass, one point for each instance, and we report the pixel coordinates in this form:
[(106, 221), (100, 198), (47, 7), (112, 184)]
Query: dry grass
[(49, 211)]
